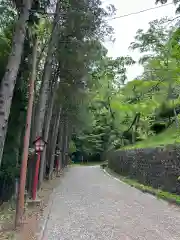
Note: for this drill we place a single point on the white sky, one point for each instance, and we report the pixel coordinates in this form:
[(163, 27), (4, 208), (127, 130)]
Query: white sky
[(125, 28)]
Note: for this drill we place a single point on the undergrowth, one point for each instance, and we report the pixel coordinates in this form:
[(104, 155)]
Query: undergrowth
[(168, 137)]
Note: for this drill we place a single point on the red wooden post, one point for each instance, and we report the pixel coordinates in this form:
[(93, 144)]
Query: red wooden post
[(36, 175), (21, 190)]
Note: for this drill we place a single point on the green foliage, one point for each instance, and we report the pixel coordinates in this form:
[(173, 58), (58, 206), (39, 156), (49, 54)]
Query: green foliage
[(169, 136), (72, 147), (104, 110), (8, 14), (80, 27), (153, 97), (107, 77)]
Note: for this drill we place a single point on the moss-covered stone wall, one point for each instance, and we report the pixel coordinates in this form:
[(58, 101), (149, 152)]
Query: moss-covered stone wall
[(157, 167)]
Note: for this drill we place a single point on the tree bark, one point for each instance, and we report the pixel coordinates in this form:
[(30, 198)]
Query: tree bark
[(65, 142), (66, 148), (43, 96), (46, 130), (53, 143), (133, 135), (176, 118), (68, 136), (20, 202), (170, 96), (31, 108), (33, 122), (9, 79), (60, 141)]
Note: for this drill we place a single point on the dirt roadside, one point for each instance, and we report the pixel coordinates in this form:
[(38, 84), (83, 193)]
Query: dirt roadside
[(32, 216)]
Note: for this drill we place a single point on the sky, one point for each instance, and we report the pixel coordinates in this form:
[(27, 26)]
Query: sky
[(125, 28)]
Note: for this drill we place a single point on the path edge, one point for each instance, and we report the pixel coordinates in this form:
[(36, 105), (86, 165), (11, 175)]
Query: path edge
[(46, 213)]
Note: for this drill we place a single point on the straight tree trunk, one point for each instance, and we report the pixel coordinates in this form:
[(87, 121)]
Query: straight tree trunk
[(46, 130), (9, 80), (60, 142), (67, 149), (20, 202), (170, 96), (53, 143), (64, 142), (48, 147), (176, 118), (133, 135), (45, 84), (68, 135), (33, 123)]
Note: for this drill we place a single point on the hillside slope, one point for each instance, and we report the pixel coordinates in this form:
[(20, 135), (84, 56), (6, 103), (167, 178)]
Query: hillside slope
[(169, 136)]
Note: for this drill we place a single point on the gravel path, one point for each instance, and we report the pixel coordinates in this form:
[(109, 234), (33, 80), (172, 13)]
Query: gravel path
[(89, 204)]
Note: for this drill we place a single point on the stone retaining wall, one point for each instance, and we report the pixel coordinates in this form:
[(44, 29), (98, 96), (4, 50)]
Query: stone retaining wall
[(158, 167)]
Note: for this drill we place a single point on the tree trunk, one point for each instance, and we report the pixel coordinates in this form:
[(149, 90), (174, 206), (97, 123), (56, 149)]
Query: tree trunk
[(170, 96), (48, 147), (68, 136), (60, 141), (67, 149), (33, 123), (9, 79), (65, 142), (46, 130), (31, 165), (133, 135), (176, 118), (43, 96), (53, 143), (20, 202)]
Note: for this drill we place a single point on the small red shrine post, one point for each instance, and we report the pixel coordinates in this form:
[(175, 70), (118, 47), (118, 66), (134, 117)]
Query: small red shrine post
[(39, 147)]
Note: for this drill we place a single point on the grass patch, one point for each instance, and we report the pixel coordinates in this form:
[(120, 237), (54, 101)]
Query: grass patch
[(169, 197), (168, 137)]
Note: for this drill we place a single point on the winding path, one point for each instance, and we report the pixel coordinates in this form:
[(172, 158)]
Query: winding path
[(89, 204)]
